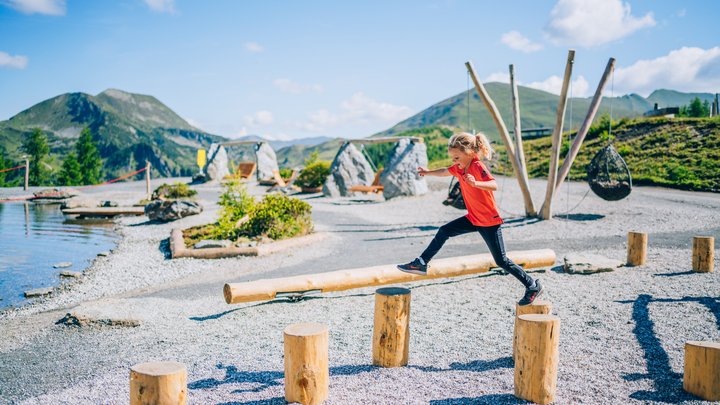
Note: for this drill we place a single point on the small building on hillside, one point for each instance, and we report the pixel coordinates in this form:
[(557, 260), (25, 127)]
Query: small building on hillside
[(667, 112)]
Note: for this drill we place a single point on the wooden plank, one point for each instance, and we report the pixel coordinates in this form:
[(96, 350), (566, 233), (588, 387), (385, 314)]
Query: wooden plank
[(239, 143), (546, 210), (388, 139), (341, 280), (519, 152), (104, 211)]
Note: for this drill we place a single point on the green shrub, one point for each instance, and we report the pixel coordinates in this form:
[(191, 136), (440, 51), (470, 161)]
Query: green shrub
[(235, 203), (314, 175), (279, 216), (173, 191), (285, 172)]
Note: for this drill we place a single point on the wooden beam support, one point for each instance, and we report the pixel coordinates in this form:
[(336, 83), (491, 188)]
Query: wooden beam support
[(386, 139), (502, 129), (580, 137), (519, 151), (239, 143), (261, 290), (546, 210)]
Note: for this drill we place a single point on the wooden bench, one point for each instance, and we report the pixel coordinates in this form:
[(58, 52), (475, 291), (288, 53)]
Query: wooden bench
[(375, 187)]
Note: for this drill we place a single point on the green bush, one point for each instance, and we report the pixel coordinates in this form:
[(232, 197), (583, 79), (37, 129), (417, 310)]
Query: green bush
[(173, 191), (285, 172), (314, 175), (235, 203), (279, 216)]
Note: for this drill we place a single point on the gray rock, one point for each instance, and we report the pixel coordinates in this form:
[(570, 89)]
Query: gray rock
[(171, 210), (400, 176), (80, 202), (108, 204), (62, 265), (589, 264), (56, 194), (266, 161), (103, 254), (210, 243), (70, 274), (216, 167), (350, 168), (38, 292)]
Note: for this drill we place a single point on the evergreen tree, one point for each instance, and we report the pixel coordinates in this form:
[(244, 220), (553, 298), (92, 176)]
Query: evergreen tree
[(696, 108), (3, 165), (71, 174), (88, 158), (37, 148)]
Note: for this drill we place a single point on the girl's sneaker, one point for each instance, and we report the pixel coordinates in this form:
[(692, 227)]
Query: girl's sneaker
[(531, 294), (414, 267)]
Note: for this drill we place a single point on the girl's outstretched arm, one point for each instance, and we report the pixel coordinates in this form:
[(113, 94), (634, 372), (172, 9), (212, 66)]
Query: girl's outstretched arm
[(441, 172)]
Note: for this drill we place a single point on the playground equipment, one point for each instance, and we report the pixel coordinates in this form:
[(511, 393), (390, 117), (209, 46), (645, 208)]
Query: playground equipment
[(307, 373), (341, 280), (391, 330), (637, 248), (160, 383), (537, 357), (701, 375), (538, 307), (703, 256), (265, 158)]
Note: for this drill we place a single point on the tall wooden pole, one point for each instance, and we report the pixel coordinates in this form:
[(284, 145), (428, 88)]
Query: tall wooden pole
[(546, 210), (580, 137), (519, 152), (148, 165), (502, 129), (27, 172)]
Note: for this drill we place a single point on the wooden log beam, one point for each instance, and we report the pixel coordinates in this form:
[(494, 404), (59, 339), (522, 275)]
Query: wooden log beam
[(637, 248), (701, 375), (502, 129), (385, 139), (580, 137), (239, 143), (519, 151), (703, 254), (104, 211), (178, 248), (307, 372), (540, 307), (537, 358), (161, 383), (391, 327), (266, 289), (546, 209)]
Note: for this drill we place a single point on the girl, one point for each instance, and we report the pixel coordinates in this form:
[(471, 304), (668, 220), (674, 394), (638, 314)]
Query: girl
[(477, 186)]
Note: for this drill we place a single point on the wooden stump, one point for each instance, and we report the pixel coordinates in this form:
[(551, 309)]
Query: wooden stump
[(391, 331), (537, 356), (537, 307), (158, 383), (702, 370), (637, 248), (703, 260), (307, 375)]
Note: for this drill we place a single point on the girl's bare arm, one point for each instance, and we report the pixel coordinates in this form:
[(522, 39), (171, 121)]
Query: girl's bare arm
[(485, 185), (441, 172)]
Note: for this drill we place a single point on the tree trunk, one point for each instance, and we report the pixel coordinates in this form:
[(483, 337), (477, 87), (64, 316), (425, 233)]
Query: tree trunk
[(158, 383), (702, 370), (307, 375), (538, 307), (537, 358), (703, 260), (637, 248), (391, 332)]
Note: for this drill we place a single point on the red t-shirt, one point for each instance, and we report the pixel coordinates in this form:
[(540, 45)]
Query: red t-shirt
[(480, 203)]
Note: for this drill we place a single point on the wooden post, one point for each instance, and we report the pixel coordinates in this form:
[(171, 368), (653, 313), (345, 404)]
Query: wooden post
[(537, 358), (161, 383), (540, 307), (637, 248), (391, 332), (703, 259), (702, 370), (546, 210), (307, 374), (585, 127), (27, 172), (502, 129), (519, 152), (148, 190)]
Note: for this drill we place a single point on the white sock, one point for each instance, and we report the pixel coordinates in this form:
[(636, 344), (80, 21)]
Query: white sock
[(422, 261)]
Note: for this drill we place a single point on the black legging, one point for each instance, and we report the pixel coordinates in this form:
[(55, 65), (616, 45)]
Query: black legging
[(493, 238)]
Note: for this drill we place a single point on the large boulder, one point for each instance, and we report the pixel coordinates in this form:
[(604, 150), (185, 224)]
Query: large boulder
[(400, 176), (350, 168), (55, 194), (216, 167), (171, 210), (589, 263), (80, 202), (266, 161)]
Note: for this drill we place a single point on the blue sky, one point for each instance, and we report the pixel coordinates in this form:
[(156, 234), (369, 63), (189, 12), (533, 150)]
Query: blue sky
[(294, 69)]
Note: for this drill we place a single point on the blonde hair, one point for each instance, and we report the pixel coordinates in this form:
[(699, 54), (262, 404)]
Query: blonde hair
[(478, 144)]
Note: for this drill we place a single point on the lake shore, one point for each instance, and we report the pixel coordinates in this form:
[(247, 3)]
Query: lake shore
[(622, 332)]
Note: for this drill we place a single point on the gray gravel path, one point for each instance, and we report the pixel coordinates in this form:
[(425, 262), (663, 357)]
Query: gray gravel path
[(622, 333)]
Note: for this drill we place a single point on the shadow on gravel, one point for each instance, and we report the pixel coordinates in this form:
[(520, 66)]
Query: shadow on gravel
[(271, 401), (580, 217), (475, 365), (485, 399), (148, 222), (667, 383), (680, 273), (164, 248)]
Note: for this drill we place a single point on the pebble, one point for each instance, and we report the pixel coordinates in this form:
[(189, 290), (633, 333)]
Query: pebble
[(62, 265), (73, 274)]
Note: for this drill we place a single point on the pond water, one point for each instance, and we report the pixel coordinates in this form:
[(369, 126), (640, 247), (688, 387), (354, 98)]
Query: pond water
[(34, 237)]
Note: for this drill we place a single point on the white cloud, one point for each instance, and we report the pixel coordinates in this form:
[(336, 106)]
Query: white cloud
[(358, 110), (517, 41), (48, 7), (684, 69), (502, 77), (260, 118), (288, 86), (15, 62), (254, 47), (591, 22), (161, 6), (553, 84)]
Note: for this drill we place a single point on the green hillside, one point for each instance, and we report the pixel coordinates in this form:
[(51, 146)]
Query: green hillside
[(127, 128)]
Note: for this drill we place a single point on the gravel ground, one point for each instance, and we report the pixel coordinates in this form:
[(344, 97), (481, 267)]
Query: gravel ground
[(621, 334)]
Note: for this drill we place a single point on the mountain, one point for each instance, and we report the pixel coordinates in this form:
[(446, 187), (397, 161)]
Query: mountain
[(127, 128), (537, 109)]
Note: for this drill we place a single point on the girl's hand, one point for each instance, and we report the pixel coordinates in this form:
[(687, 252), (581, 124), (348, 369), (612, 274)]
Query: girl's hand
[(422, 171), (470, 179)]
